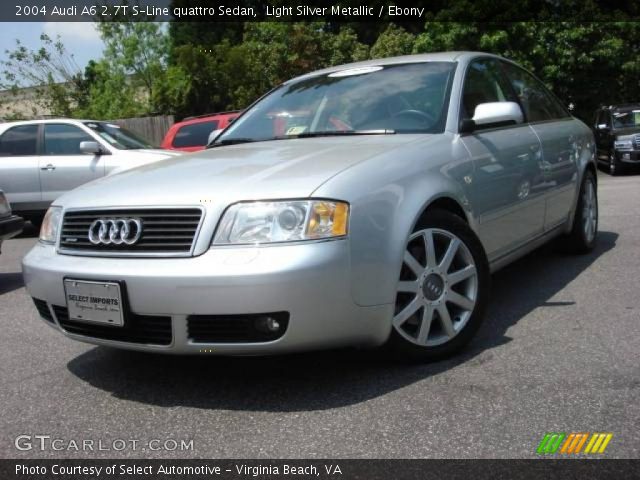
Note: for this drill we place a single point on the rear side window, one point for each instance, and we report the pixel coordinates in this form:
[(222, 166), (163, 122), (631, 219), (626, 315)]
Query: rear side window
[(538, 104), (194, 135), (20, 140), (61, 139)]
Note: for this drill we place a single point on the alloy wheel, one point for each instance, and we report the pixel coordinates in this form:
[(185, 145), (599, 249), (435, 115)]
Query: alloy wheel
[(437, 290)]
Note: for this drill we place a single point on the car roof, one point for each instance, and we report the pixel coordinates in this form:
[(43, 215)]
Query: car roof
[(418, 58), (207, 118), (49, 120)]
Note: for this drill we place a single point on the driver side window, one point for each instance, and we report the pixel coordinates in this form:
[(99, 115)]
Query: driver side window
[(484, 83)]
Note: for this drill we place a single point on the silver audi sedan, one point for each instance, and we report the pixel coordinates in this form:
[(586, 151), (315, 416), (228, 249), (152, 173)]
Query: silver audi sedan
[(364, 205)]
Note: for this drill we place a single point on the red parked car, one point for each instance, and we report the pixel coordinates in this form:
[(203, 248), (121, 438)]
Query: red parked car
[(192, 134)]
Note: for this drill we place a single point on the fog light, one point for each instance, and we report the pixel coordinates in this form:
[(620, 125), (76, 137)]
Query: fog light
[(626, 156), (267, 324)]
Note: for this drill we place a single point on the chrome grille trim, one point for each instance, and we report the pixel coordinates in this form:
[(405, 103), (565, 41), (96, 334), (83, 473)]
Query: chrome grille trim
[(636, 141), (167, 231)]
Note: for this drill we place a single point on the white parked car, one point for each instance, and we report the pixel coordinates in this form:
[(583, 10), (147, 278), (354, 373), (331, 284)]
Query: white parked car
[(42, 159)]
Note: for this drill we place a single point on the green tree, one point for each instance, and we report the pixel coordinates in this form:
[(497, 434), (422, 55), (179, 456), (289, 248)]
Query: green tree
[(137, 50), (392, 42), (50, 70)]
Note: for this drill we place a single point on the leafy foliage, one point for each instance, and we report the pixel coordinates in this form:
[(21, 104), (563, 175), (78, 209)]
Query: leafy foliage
[(189, 68)]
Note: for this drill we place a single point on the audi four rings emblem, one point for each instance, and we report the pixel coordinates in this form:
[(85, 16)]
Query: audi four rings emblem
[(115, 231)]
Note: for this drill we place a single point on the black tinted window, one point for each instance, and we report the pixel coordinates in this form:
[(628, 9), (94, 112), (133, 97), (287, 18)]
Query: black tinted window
[(20, 140), (537, 102), (60, 139), (484, 83), (194, 135)]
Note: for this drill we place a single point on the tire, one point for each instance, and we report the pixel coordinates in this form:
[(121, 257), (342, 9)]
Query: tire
[(441, 298), (582, 239), (35, 219), (614, 167)]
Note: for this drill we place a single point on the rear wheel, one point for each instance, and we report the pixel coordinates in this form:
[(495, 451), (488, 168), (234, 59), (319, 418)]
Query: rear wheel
[(442, 291), (583, 234)]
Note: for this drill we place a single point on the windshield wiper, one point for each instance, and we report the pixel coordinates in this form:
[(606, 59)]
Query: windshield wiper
[(231, 141), (337, 133), (328, 133)]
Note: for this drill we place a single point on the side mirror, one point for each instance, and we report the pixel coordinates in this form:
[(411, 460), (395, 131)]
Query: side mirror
[(91, 148), (602, 126), (213, 135), (497, 113)]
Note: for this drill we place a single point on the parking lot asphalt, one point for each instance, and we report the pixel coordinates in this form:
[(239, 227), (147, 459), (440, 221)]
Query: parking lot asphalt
[(558, 352)]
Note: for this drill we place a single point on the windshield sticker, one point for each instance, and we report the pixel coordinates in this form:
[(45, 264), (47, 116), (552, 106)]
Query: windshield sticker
[(355, 71), (296, 130), (112, 125)]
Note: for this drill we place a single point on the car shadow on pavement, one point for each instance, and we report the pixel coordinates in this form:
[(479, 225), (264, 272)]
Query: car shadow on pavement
[(328, 379), (10, 281)]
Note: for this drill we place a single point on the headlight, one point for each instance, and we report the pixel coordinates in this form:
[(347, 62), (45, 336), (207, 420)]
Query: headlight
[(622, 145), (4, 205), (51, 225), (283, 221)]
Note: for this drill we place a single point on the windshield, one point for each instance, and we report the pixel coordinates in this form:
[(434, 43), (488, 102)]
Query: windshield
[(628, 119), (118, 137), (405, 98)]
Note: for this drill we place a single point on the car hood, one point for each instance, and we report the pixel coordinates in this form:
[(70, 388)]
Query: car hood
[(272, 169)]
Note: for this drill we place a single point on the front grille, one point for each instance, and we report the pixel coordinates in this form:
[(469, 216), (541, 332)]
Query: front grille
[(235, 328), (169, 231), (43, 309), (144, 329)]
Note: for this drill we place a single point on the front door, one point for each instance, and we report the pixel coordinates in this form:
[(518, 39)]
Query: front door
[(506, 182)]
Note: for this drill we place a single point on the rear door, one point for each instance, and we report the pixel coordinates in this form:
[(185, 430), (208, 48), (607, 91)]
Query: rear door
[(19, 174), (559, 135), (63, 166), (505, 185)]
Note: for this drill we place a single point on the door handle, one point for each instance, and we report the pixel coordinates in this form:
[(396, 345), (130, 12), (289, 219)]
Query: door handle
[(49, 167)]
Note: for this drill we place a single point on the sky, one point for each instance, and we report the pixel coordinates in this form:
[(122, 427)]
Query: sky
[(80, 38)]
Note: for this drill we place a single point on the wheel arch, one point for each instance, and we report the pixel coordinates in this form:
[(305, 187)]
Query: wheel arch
[(446, 203)]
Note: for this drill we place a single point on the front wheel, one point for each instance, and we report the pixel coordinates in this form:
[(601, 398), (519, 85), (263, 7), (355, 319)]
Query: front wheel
[(615, 168), (442, 290)]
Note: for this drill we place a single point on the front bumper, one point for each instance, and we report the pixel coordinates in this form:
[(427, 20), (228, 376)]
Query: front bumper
[(628, 156), (311, 282)]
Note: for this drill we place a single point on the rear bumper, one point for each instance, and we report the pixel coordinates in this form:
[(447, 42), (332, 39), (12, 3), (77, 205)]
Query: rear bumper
[(311, 282), (10, 227)]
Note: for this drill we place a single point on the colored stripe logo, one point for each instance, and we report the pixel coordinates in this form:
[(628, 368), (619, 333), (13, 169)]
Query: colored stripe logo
[(573, 443)]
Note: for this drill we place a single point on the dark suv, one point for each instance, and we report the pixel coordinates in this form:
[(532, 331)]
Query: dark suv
[(617, 132)]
